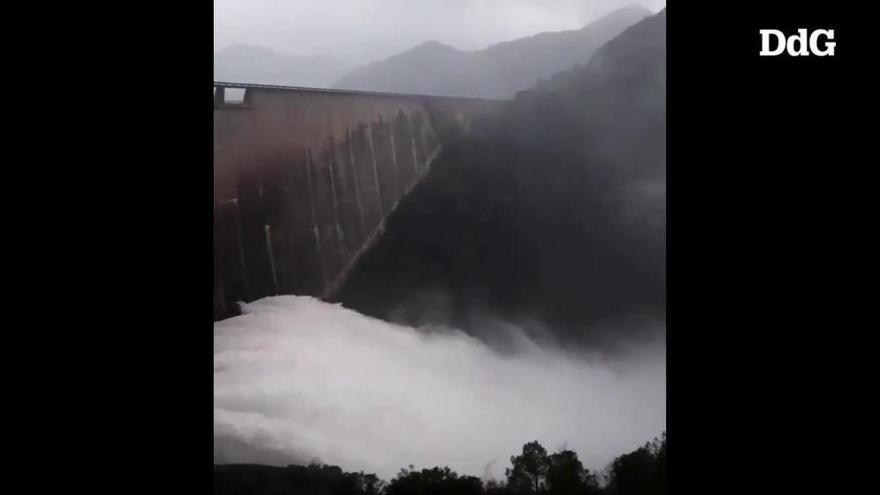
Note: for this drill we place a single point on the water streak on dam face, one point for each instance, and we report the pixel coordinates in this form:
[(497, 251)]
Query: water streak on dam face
[(304, 179)]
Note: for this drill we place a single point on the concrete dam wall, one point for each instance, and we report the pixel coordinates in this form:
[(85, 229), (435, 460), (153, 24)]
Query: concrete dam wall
[(304, 179)]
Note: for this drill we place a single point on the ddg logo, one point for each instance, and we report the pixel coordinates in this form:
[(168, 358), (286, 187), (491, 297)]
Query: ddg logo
[(799, 45)]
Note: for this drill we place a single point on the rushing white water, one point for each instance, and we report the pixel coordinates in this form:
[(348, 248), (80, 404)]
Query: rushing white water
[(297, 379)]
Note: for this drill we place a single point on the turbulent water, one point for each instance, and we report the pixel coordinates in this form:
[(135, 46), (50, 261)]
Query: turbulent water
[(297, 379)]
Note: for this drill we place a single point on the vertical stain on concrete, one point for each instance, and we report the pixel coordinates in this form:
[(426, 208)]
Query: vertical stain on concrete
[(284, 223)]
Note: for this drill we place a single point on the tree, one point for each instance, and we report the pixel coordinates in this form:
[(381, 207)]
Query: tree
[(566, 475), (371, 484), (434, 481), (494, 487), (529, 469), (641, 472)]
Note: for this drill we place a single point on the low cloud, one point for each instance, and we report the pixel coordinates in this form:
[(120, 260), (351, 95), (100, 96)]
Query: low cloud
[(367, 30)]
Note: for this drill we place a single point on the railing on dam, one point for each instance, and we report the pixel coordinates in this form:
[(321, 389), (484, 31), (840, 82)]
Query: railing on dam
[(305, 178)]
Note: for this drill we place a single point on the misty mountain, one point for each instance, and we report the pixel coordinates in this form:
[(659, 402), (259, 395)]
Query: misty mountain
[(498, 71), (551, 214), (252, 64)]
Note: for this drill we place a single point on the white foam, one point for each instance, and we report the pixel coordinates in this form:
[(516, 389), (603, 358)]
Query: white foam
[(296, 378)]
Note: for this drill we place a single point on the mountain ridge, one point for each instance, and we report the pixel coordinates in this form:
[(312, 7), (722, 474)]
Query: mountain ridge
[(497, 71)]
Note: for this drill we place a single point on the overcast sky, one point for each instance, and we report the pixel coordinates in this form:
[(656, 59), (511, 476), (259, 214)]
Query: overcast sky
[(373, 29)]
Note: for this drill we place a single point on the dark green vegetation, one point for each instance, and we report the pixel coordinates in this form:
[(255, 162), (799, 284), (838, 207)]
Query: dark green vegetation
[(554, 211), (533, 472)]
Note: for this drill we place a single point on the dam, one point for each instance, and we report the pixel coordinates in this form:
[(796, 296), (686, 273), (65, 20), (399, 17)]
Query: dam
[(304, 179)]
